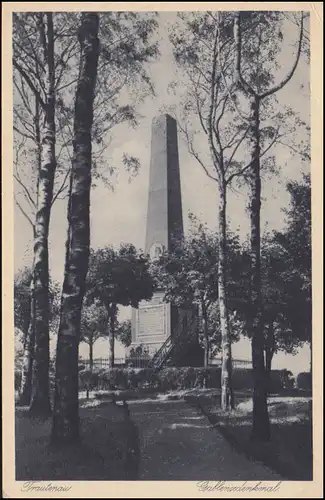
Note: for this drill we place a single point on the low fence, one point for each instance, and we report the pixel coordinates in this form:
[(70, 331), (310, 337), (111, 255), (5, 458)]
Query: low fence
[(137, 361), (143, 360), (102, 363), (236, 363)]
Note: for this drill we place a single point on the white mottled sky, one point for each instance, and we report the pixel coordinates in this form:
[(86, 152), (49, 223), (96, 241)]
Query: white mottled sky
[(120, 216)]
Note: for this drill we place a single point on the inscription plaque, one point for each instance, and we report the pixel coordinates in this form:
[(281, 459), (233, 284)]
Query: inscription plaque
[(151, 322)]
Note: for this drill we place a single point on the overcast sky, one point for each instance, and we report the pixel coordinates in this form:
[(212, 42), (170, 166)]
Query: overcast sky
[(120, 216)]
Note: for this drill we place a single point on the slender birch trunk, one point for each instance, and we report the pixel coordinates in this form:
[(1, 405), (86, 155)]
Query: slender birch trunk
[(111, 339), (261, 422), (206, 335), (40, 400), (28, 355), (311, 357), (65, 428), (227, 397), (29, 343), (91, 356), (227, 400), (269, 353), (268, 369), (26, 370)]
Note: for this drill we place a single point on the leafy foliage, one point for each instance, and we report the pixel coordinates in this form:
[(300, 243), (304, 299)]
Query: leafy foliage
[(285, 274), (295, 244), (189, 276), (94, 321), (171, 379), (123, 332), (22, 300), (127, 46), (118, 277)]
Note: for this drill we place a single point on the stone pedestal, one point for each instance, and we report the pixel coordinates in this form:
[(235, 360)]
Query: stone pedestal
[(151, 323)]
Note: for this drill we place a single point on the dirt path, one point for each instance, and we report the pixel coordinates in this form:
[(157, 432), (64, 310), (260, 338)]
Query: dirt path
[(178, 443)]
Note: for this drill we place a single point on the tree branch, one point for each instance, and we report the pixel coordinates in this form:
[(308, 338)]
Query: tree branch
[(306, 155), (199, 112), (212, 110), (293, 69), (243, 170), (67, 84), (192, 151), (237, 38), (27, 126), (242, 116), (23, 212), (232, 141), (198, 159), (24, 98), (62, 187), (25, 190), (237, 146), (23, 134), (29, 82)]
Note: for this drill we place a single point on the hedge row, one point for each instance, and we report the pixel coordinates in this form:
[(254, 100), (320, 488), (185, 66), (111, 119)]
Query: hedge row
[(18, 380), (179, 379), (304, 381), (175, 379)]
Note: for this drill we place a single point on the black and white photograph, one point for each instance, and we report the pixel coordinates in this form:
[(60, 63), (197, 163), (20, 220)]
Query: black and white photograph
[(162, 247)]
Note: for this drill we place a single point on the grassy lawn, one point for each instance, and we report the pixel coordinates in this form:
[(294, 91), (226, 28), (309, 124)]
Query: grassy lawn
[(289, 452), (108, 449)]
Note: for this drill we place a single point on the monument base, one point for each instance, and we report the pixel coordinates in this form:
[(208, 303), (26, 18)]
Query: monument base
[(154, 321), (151, 323)]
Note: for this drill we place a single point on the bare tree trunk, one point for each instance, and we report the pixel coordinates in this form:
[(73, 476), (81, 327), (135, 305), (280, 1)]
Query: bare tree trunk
[(91, 356), (206, 342), (111, 338), (261, 423), (40, 400), (29, 343), (65, 428), (28, 355), (311, 357), (227, 397), (206, 335), (269, 353)]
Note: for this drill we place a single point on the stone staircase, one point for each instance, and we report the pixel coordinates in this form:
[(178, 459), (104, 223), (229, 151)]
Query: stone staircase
[(171, 350)]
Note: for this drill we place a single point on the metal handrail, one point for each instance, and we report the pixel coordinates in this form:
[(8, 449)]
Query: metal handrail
[(168, 346)]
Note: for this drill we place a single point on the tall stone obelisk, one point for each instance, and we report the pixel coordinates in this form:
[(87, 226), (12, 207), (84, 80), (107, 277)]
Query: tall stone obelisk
[(155, 320), (164, 215)]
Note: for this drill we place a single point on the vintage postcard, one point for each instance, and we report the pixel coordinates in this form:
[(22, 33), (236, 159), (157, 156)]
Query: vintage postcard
[(162, 169)]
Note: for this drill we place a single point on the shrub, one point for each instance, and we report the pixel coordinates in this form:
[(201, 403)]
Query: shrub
[(281, 379), (213, 377), (118, 378), (173, 378), (88, 380), (170, 378), (242, 378), (188, 378), (304, 381), (115, 378)]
